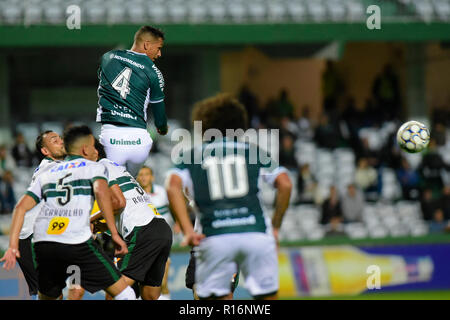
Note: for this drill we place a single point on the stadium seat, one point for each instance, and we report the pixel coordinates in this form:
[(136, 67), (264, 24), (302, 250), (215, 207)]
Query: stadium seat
[(136, 12), (390, 185), (257, 11), (157, 12), (177, 11), (237, 11), (356, 230), (378, 232), (276, 11), (32, 14), (217, 11), (355, 10), (12, 12), (316, 10), (336, 10), (115, 14), (197, 12), (54, 13), (296, 10), (419, 229), (94, 12), (424, 9)]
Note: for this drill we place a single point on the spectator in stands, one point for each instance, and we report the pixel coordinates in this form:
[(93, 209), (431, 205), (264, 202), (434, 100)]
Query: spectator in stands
[(7, 196), (332, 88), (327, 135), (332, 213), (386, 91), (352, 204), (7, 162), (366, 177), (390, 153), (21, 153), (431, 168), (288, 126), (287, 153), (304, 124), (250, 102), (439, 133), (445, 202), (284, 106), (306, 185), (428, 204), (438, 224), (351, 119), (365, 151), (409, 180)]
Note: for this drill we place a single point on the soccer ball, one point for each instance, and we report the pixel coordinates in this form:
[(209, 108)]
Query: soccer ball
[(413, 136)]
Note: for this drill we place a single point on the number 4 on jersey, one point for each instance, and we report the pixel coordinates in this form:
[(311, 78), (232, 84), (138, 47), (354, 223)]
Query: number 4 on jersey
[(121, 82)]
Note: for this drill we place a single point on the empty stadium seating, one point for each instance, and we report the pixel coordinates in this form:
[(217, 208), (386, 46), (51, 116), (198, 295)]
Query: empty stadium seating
[(217, 11)]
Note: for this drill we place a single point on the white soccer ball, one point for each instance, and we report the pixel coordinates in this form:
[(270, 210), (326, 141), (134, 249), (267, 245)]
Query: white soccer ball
[(413, 136)]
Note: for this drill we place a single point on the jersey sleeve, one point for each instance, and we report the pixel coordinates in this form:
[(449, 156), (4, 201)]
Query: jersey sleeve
[(270, 168), (35, 190), (156, 85), (114, 171), (269, 175), (99, 171), (184, 175)]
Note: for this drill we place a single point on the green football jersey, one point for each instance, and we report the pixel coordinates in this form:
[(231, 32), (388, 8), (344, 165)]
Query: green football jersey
[(225, 185), (128, 82)]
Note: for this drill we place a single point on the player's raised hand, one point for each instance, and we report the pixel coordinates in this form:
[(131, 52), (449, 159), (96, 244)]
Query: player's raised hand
[(121, 246), (10, 258)]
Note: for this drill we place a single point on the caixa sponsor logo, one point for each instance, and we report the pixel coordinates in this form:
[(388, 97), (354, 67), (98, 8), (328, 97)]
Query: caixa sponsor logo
[(69, 165)]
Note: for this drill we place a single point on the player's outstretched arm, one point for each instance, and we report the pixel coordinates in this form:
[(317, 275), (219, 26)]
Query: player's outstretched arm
[(159, 113), (103, 196), (178, 207), (283, 185), (25, 204)]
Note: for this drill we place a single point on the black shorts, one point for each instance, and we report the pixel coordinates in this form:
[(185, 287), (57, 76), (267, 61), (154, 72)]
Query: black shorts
[(148, 250), (27, 263), (53, 260)]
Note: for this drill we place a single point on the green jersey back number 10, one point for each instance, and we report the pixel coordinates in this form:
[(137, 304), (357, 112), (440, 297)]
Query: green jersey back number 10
[(234, 177), (121, 82)]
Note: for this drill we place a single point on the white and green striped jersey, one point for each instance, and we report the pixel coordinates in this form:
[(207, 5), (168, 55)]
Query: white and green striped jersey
[(68, 195), (137, 211), (28, 222), (158, 197)]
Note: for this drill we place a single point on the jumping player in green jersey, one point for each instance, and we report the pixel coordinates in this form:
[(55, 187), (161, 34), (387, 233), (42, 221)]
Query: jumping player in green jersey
[(130, 84), (235, 231)]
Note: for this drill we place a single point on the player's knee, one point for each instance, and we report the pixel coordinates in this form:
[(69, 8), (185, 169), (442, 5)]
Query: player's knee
[(150, 293), (126, 294)]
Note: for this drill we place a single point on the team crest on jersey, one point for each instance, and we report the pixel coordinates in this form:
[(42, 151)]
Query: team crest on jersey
[(69, 165)]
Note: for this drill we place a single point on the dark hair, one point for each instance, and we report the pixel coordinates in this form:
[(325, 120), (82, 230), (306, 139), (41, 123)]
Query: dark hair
[(221, 112), (155, 32), (100, 148), (147, 167), (39, 144), (73, 134)]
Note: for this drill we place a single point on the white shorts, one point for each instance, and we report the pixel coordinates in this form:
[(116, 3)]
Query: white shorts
[(217, 258), (127, 146)]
